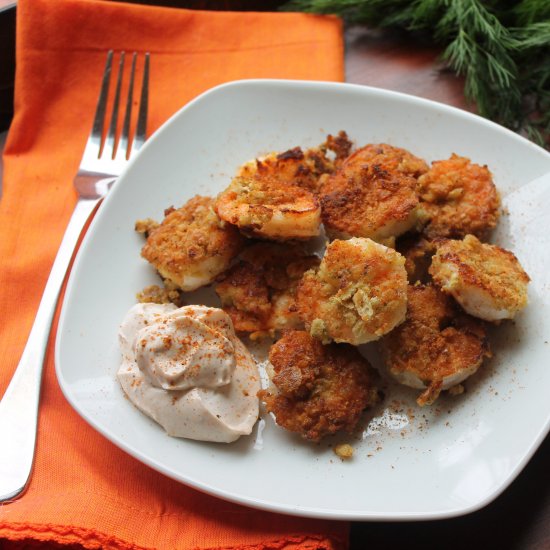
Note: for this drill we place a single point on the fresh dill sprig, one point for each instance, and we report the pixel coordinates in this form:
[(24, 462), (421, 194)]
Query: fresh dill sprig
[(500, 47)]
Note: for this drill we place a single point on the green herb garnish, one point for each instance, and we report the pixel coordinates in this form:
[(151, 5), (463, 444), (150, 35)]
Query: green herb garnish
[(501, 48)]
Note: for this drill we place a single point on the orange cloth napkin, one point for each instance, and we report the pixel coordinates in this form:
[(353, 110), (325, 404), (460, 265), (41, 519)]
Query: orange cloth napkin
[(84, 490)]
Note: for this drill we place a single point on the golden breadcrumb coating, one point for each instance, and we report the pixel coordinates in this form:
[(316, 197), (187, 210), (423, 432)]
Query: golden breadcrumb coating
[(258, 292), (358, 293), (486, 280), (340, 145), (192, 245), (275, 197), (418, 252), (392, 159), (146, 226), (154, 294), (373, 194), (344, 451), (458, 197), (302, 167), (265, 207), (292, 167), (317, 390), (437, 346)]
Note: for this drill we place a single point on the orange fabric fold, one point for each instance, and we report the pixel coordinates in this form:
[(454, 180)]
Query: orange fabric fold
[(85, 492)]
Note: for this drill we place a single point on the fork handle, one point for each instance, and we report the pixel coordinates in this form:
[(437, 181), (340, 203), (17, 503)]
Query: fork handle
[(19, 405)]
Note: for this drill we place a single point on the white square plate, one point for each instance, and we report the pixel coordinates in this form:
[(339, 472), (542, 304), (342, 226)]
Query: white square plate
[(409, 463)]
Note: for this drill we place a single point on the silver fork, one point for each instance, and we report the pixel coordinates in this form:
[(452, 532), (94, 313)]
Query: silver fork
[(102, 162)]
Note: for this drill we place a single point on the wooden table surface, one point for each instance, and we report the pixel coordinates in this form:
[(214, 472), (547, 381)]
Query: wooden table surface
[(520, 517)]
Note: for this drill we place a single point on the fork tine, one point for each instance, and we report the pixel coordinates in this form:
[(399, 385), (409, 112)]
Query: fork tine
[(122, 149), (111, 136), (96, 135), (141, 130)]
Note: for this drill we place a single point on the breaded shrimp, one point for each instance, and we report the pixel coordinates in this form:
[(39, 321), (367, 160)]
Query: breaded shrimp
[(275, 197), (373, 194), (262, 206), (486, 280), (437, 347), (302, 168), (458, 197), (293, 167), (317, 390), (258, 292), (192, 245), (358, 293), (391, 159)]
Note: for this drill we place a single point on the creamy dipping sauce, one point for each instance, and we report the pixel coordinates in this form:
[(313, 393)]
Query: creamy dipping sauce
[(186, 369)]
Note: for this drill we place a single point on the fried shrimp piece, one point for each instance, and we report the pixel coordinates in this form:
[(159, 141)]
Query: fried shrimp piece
[(263, 206), (392, 159), (458, 197), (274, 197), (418, 252), (373, 194), (317, 390), (258, 292), (303, 168), (358, 293), (486, 280), (192, 245), (293, 167), (437, 347)]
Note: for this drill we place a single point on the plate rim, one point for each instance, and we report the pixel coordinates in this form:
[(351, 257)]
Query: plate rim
[(300, 511)]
